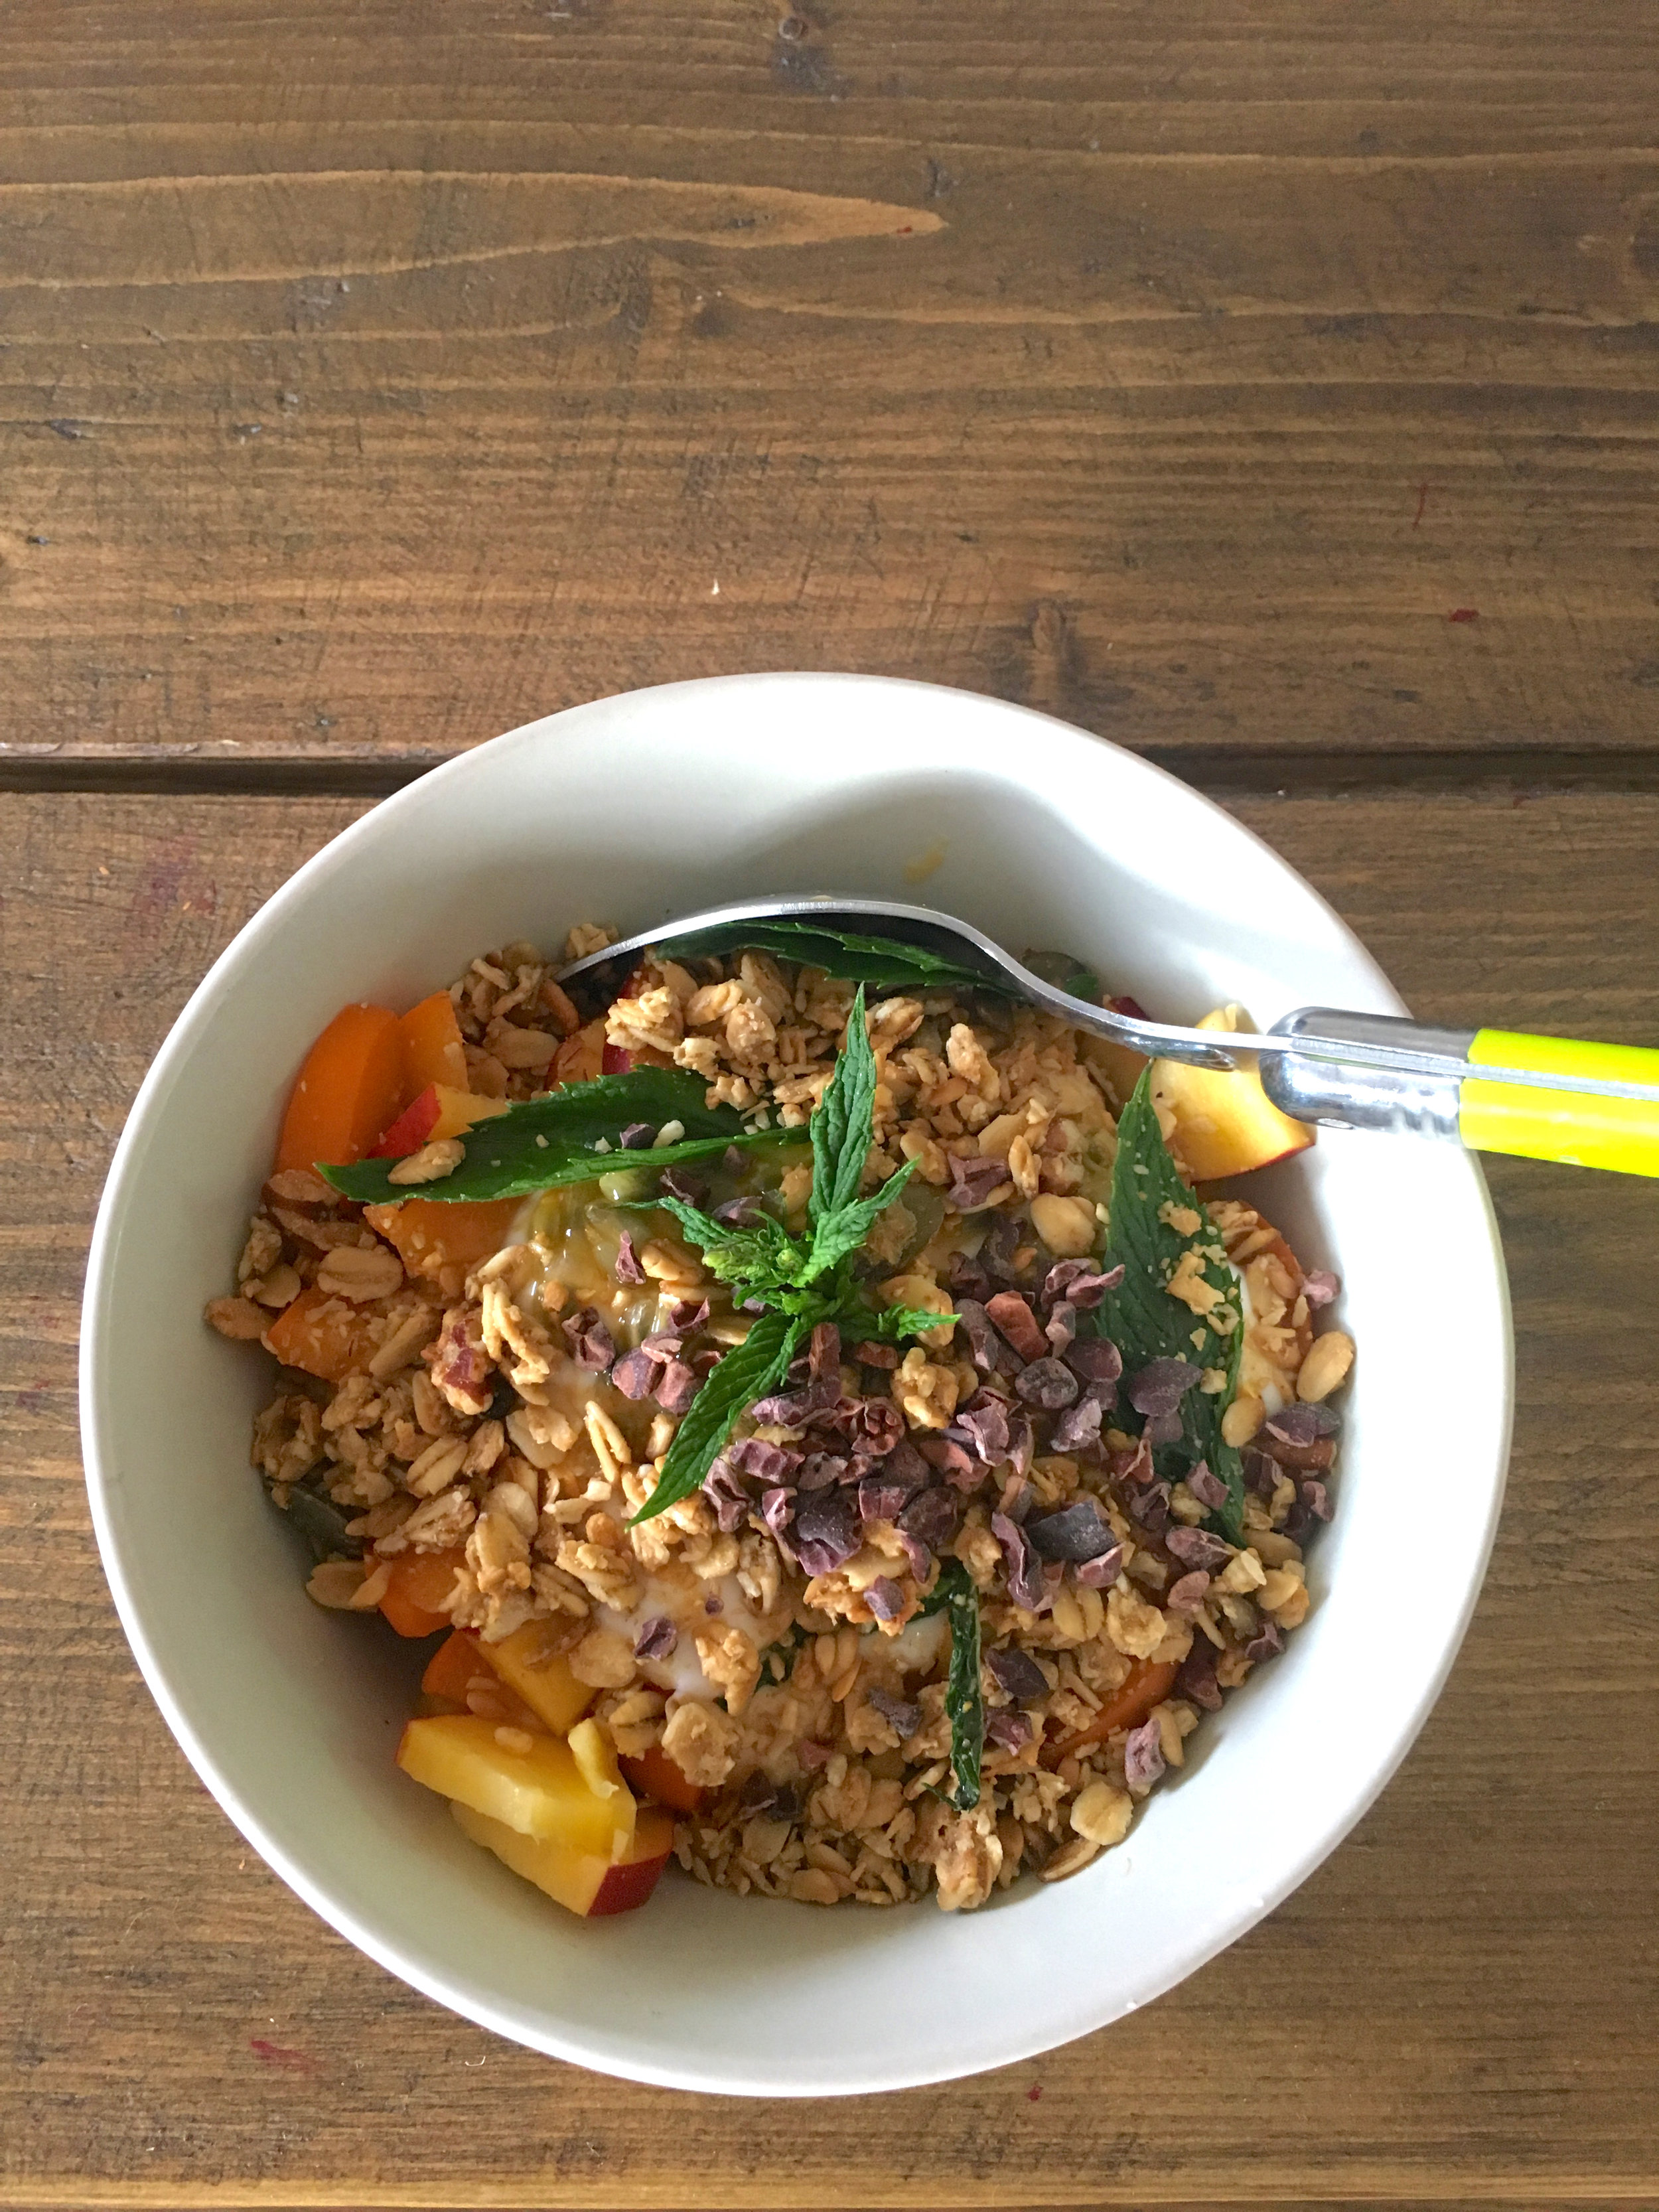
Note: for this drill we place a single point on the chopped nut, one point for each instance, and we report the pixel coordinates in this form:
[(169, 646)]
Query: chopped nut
[(1102, 1813), (431, 1163), (360, 1273), (1325, 1366)]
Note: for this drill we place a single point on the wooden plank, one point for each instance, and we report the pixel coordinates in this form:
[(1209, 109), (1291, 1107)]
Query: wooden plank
[(1188, 378), (1459, 2005)]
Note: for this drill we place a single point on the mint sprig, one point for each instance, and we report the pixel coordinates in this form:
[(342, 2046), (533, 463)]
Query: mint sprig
[(797, 1281), (1146, 1323), (570, 1136)]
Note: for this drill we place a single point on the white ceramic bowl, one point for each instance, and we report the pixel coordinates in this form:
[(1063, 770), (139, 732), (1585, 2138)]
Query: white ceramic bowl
[(631, 811)]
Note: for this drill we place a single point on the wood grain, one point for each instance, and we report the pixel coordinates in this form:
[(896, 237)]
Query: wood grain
[(1460, 2004), (1187, 374)]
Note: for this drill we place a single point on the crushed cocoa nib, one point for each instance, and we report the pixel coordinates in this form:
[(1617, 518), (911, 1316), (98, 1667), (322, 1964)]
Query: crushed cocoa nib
[(1195, 1677), (1017, 1674), (1097, 1360), (1209, 1489), (1143, 1755), (1159, 1387), (633, 1374), (1196, 1547), (628, 1267), (1301, 1424), (636, 1137), (884, 1598), (990, 1353), (591, 1342), (677, 1387), (1267, 1641), (827, 1532), (657, 1638), (1320, 1286), (1188, 1594), (690, 1189), (871, 1354), (1026, 1586), (1012, 1315), (1008, 1731), (1048, 1384), (974, 1180), (1076, 1533), (899, 1713)]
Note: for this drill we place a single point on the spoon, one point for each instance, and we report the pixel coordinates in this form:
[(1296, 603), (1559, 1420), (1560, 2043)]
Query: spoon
[(1496, 1091)]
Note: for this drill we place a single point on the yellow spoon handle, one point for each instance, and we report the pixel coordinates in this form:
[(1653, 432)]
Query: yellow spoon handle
[(1576, 1126)]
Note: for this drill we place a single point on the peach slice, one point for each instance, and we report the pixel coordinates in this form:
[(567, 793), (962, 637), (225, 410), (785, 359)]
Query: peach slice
[(430, 1234), (582, 1883), (433, 1050), (439, 1111), (540, 1676), (532, 1784), (1225, 1125)]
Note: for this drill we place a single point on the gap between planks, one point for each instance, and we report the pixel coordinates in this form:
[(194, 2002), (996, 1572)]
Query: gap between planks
[(1222, 772)]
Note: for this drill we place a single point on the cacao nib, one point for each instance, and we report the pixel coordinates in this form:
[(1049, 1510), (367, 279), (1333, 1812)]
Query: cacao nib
[(1017, 1674), (1096, 1358), (1012, 1315), (1008, 1731), (901, 1715), (1195, 1678), (1048, 1384), (1209, 1489), (657, 1638), (628, 1268), (637, 1137), (590, 1341), (1143, 1755), (1161, 1384), (1196, 1547), (1026, 1585), (633, 1374), (827, 1532), (933, 1518), (1186, 1595), (974, 1180), (677, 1386), (1077, 1532), (884, 1599)]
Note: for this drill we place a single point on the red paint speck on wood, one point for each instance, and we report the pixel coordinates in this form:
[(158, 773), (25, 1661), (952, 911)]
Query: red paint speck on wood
[(279, 2054), (1034, 2095), (1464, 614)]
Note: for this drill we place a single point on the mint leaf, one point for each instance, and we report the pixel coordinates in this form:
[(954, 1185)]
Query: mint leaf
[(1146, 1323), (838, 1234), (844, 1123), (542, 1143), (760, 1255), (748, 1371), (850, 957), (964, 1702)]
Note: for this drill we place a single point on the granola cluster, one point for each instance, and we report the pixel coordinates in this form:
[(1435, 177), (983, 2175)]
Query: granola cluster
[(768, 1633)]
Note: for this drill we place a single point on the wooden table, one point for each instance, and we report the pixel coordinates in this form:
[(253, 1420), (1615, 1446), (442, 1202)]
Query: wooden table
[(1267, 387)]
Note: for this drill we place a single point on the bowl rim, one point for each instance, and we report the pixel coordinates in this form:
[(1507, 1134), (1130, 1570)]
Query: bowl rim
[(503, 2018)]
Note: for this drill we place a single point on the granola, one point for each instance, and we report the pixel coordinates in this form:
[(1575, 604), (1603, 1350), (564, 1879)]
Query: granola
[(472, 1413)]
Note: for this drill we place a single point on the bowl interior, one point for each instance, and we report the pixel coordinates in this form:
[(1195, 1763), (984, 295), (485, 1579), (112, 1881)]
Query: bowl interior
[(632, 811)]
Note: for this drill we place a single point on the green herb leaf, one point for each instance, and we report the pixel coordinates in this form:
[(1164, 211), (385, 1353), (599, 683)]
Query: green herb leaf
[(834, 1236), (748, 1371), (889, 1324), (844, 1123), (964, 1702), (882, 962), (761, 1255), (1146, 1323), (1065, 972), (542, 1143)]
